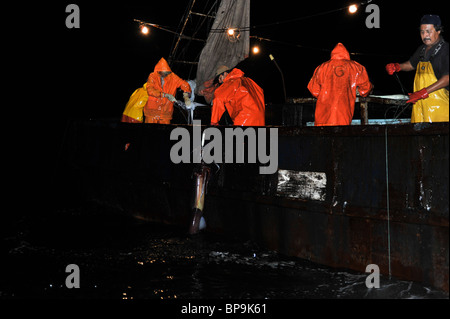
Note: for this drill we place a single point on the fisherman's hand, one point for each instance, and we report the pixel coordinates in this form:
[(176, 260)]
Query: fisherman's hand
[(391, 68), (416, 96), (170, 97), (187, 100)]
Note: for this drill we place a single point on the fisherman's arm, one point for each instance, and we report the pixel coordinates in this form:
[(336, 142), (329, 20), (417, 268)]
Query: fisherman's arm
[(363, 83), (391, 68), (314, 84), (217, 111), (439, 84), (406, 66), (442, 69), (423, 94), (442, 82)]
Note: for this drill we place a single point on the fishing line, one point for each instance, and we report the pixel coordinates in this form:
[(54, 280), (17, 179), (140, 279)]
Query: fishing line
[(406, 106), (404, 93), (387, 202), (401, 85)]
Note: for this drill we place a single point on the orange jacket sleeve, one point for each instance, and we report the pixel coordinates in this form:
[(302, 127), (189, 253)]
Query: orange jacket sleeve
[(314, 84), (185, 86), (178, 83), (363, 83), (217, 110)]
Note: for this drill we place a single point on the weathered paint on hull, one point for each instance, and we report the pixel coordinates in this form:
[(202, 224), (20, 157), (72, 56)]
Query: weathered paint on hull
[(348, 225)]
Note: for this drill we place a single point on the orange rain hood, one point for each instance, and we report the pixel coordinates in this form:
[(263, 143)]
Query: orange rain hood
[(162, 66)]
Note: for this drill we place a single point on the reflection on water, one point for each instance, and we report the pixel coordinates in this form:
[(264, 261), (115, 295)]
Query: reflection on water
[(122, 258)]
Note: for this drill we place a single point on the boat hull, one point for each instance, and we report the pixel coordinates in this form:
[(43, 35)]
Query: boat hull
[(344, 197)]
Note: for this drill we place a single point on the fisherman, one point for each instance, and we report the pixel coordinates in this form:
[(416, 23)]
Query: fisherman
[(162, 85), (335, 84), (430, 97), (240, 96)]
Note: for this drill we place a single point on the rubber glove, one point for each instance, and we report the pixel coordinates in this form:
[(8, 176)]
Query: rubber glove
[(187, 100), (391, 68), (416, 96), (170, 97)]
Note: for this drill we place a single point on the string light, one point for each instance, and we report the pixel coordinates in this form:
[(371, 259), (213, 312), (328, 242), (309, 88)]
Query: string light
[(230, 32), (145, 30), (353, 8), (233, 34), (255, 49)]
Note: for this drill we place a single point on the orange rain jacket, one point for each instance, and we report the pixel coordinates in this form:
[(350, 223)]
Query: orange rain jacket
[(334, 85), (242, 98), (158, 106)]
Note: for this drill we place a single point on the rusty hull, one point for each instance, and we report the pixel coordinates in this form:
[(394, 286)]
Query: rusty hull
[(395, 218)]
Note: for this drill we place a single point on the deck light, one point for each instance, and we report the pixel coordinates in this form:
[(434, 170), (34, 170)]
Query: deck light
[(145, 30), (353, 8)]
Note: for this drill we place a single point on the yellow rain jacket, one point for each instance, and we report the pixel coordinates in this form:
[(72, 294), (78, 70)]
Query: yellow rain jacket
[(134, 110), (435, 107)]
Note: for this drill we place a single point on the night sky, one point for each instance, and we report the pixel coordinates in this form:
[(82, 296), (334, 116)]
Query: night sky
[(91, 72)]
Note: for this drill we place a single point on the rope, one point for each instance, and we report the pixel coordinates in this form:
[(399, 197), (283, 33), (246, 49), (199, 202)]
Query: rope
[(387, 203)]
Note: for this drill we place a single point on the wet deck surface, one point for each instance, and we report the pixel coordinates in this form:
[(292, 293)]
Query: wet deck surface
[(122, 258)]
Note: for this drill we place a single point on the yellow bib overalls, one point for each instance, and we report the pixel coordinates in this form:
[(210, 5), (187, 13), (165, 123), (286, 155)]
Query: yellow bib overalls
[(435, 107)]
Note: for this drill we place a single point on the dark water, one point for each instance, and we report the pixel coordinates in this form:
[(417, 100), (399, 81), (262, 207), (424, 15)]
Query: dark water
[(122, 258)]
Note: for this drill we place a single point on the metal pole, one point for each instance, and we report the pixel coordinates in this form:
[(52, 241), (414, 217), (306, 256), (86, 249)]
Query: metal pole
[(282, 76)]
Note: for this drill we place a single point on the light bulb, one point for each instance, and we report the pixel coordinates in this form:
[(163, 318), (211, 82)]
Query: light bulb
[(145, 30)]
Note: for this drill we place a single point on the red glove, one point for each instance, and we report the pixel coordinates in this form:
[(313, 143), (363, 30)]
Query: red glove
[(391, 68), (416, 96)]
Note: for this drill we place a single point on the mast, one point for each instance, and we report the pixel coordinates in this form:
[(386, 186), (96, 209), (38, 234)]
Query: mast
[(174, 50), (182, 54)]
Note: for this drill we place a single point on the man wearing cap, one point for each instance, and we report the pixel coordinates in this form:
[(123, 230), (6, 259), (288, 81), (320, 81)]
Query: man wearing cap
[(431, 83), (240, 96)]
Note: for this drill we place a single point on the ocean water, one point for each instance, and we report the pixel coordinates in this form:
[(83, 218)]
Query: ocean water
[(121, 258)]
